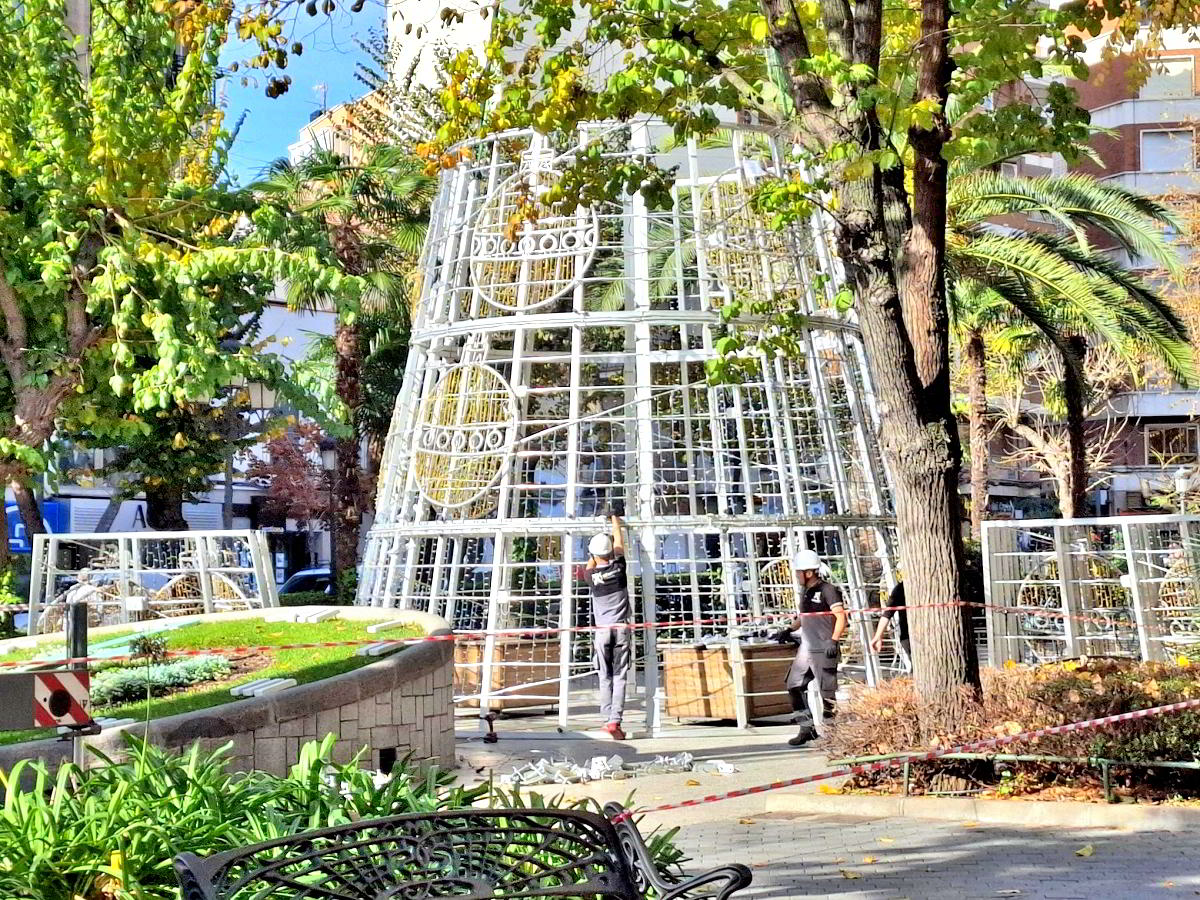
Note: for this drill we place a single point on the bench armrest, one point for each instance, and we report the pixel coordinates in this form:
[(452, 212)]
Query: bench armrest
[(728, 879)]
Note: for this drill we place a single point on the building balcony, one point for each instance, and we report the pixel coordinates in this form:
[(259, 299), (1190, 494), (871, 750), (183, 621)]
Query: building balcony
[(1136, 111), (1156, 184), (1168, 404)]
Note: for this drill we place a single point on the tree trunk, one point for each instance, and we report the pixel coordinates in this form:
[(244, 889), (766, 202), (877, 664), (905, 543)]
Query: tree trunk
[(347, 491), (374, 465), (227, 494), (5, 550), (975, 356), (164, 508), (1075, 397), (928, 506), (30, 509), (894, 261)]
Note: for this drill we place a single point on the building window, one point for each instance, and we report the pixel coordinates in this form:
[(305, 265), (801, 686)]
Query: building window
[(1169, 78), (1172, 445), (1168, 151)]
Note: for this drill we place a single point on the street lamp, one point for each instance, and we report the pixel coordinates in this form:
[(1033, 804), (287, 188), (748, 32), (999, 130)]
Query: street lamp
[(1183, 480), (329, 464)]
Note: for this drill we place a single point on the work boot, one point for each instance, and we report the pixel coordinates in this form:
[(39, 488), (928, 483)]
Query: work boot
[(807, 733)]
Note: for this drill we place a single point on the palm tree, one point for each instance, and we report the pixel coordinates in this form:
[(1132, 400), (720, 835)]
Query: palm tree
[(1056, 281), (369, 216)]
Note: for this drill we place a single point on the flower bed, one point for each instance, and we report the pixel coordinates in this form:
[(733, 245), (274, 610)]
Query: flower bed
[(1022, 698), (111, 832), (304, 665)]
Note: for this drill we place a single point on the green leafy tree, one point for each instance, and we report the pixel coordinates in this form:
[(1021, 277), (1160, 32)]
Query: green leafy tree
[(864, 89), (368, 218), (1047, 274), (113, 226)]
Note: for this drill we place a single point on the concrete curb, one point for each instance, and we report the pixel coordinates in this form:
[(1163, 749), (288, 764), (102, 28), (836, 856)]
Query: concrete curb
[(1029, 813)]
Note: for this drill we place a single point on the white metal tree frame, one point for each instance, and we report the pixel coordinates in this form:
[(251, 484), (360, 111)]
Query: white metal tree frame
[(558, 363), (145, 574), (1114, 586)]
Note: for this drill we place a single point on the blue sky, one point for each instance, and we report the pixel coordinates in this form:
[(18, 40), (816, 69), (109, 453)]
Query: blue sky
[(329, 58)]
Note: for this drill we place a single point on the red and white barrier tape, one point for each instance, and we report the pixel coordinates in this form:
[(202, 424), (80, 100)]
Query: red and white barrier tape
[(541, 632), (880, 765)]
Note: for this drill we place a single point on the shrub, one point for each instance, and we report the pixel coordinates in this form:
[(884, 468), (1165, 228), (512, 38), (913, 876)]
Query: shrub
[(309, 598), (127, 684), (1023, 698), (58, 834)]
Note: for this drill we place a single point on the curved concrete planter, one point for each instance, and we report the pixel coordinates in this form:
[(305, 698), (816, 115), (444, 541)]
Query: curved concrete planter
[(402, 704)]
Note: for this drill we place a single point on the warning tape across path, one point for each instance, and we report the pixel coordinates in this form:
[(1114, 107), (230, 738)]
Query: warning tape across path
[(577, 629), (880, 765)]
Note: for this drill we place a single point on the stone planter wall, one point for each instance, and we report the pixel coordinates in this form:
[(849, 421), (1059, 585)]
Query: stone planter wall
[(400, 705)]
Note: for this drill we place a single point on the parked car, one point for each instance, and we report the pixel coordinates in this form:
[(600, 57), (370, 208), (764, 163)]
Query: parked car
[(308, 580)]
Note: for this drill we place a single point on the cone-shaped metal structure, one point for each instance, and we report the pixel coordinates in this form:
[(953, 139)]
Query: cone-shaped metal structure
[(558, 363)]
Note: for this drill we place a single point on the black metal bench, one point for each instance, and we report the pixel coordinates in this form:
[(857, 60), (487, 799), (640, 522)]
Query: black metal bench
[(469, 853)]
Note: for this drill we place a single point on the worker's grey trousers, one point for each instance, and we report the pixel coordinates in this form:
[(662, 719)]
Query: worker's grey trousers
[(813, 669), (613, 653)]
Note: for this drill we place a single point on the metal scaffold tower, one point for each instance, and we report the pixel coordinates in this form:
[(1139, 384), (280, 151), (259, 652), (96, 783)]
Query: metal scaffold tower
[(558, 363)]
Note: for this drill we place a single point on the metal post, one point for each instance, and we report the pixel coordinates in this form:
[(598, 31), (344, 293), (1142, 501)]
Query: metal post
[(1142, 613), (77, 648), (1067, 586), (206, 591)]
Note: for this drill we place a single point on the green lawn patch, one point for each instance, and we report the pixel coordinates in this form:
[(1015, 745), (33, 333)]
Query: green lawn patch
[(303, 665)]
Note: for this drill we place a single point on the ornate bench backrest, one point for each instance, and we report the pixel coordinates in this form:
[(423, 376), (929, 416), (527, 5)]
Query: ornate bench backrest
[(482, 853)]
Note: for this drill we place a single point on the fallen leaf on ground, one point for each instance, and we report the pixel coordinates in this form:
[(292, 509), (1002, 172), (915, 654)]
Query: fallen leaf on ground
[(1085, 850), (828, 789), (1168, 884), (846, 873), (745, 821), (886, 840), (692, 782), (840, 859), (869, 859), (970, 824)]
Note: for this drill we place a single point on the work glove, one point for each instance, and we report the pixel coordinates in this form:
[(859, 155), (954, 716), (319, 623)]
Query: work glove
[(785, 636), (831, 652), (614, 508)]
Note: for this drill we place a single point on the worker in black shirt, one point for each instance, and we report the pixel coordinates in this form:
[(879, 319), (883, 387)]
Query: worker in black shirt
[(817, 657), (607, 576), (895, 611)]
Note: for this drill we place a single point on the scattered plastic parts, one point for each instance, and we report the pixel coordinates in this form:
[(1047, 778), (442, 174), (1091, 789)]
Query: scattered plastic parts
[(613, 768)]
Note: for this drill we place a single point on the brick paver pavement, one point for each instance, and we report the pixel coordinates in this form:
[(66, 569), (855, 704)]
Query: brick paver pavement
[(804, 855), (839, 857)]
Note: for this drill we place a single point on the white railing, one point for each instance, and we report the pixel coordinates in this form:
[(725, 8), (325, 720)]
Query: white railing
[(1111, 586), (127, 576)]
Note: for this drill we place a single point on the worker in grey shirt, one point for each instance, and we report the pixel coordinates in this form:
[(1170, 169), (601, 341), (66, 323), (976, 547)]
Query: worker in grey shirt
[(820, 635), (613, 615)]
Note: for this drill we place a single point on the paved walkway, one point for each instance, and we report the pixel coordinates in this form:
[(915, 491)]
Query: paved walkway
[(838, 856), (831, 856)]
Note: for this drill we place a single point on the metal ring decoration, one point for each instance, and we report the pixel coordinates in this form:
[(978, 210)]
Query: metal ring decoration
[(521, 261), (748, 257), (466, 428)]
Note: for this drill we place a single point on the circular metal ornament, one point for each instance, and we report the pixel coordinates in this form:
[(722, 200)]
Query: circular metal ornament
[(524, 255), (465, 431)]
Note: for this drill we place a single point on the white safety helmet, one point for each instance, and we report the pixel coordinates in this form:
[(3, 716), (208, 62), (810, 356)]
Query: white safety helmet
[(806, 560), (600, 545)]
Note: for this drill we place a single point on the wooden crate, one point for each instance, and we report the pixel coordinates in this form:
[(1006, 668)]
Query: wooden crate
[(699, 681), (538, 670)]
